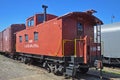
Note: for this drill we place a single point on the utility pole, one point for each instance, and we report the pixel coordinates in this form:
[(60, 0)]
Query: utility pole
[(112, 18)]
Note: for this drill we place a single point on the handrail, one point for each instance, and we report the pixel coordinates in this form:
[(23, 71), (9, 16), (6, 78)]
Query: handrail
[(85, 48), (75, 52), (75, 42)]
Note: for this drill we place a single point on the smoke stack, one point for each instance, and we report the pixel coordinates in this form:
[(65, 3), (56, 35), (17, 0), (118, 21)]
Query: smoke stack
[(44, 7)]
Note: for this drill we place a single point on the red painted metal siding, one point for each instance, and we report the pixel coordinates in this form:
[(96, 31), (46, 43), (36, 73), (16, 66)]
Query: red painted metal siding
[(49, 39), (49, 17), (7, 40), (1, 39), (69, 33), (69, 28), (89, 31), (9, 37)]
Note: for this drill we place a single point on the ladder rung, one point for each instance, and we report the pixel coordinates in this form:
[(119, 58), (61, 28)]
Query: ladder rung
[(98, 35)]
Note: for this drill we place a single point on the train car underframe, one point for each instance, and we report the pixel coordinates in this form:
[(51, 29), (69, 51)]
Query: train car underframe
[(69, 66), (114, 62)]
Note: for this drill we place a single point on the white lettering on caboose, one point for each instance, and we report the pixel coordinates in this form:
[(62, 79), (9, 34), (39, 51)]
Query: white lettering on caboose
[(31, 46), (30, 41)]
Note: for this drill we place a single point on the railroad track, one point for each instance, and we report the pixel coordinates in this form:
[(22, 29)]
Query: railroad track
[(99, 77), (91, 75), (88, 76)]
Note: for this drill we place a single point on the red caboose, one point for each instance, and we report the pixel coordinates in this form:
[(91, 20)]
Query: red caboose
[(60, 42)]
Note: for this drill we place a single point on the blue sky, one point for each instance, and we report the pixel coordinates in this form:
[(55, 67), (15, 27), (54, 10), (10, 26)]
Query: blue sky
[(17, 11)]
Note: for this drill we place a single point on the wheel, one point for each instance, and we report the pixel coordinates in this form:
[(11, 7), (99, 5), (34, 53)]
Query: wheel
[(56, 72), (48, 70), (20, 58), (25, 60), (84, 70)]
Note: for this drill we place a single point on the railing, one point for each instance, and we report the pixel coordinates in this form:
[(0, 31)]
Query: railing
[(75, 47)]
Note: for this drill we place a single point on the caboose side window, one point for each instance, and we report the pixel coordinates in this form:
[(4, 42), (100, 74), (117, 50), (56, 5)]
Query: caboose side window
[(40, 18), (35, 36), (26, 37), (20, 38), (79, 28), (30, 23)]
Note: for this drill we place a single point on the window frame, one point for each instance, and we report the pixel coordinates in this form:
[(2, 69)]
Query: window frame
[(35, 36), (80, 28), (26, 38), (40, 18), (20, 39), (30, 22)]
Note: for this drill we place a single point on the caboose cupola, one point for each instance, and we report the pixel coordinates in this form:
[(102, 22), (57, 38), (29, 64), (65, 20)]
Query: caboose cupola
[(38, 19)]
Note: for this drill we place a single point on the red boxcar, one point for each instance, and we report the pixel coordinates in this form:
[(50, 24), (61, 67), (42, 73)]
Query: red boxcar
[(9, 37), (1, 41)]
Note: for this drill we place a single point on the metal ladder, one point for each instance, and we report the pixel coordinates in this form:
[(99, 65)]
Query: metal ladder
[(98, 40), (98, 48)]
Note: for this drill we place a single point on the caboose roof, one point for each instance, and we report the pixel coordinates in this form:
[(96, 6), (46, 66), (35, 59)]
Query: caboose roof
[(84, 16)]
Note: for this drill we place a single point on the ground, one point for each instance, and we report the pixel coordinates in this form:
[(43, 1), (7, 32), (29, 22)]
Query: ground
[(14, 70)]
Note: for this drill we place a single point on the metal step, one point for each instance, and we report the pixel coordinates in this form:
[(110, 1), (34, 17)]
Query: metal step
[(69, 71)]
